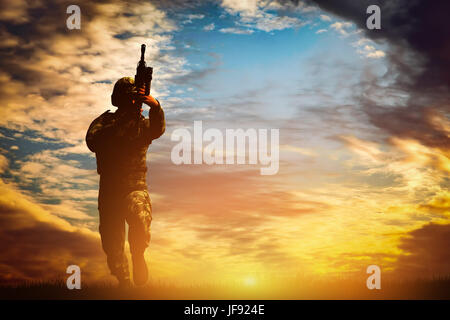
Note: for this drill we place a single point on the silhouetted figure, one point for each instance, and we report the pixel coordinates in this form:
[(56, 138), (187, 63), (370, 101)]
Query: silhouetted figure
[(120, 141)]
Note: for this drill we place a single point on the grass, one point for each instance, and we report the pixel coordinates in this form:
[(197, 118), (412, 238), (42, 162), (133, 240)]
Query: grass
[(295, 289)]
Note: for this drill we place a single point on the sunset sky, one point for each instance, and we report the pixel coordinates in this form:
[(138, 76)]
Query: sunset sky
[(363, 116)]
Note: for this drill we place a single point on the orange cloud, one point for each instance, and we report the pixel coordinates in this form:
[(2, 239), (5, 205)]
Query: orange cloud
[(39, 246)]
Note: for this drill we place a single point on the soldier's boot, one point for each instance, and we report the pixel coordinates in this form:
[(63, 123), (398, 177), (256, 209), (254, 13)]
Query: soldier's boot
[(118, 265), (124, 282), (140, 271)]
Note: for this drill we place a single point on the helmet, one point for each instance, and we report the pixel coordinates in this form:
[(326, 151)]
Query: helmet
[(123, 92)]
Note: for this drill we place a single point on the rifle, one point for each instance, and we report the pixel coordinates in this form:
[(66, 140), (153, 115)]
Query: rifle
[(143, 77)]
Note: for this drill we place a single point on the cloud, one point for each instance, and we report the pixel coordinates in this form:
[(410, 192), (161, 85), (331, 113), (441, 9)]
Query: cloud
[(409, 103), (366, 149), (391, 157), (196, 16), (236, 31), (426, 252), (39, 246), (243, 227), (245, 7), (341, 27), (191, 17), (255, 14), (302, 151), (209, 27), (3, 163), (194, 76), (420, 170), (84, 64), (321, 31), (66, 82), (272, 22), (16, 12), (399, 28), (366, 48), (324, 17), (419, 64), (439, 204)]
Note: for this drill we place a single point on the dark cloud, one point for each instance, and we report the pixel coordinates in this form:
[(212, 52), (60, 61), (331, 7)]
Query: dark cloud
[(42, 22), (424, 254), (417, 33), (415, 122), (177, 4), (418, 51), (419, 25), (426, 251), (36, 246)]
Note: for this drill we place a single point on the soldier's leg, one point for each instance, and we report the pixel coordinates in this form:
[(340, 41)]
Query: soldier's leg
[(112, 232), (139, 217)]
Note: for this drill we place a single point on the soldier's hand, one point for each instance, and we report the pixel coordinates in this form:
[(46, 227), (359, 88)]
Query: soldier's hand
[(148, 100)]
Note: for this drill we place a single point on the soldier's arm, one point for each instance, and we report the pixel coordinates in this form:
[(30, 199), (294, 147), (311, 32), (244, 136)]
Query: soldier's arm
[(157, 122), (155, 125)]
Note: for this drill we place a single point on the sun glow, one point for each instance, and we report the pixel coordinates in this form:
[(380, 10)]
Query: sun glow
[(250, 281)]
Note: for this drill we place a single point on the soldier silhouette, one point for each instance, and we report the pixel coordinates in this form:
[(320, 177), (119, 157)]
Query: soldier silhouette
[(120, 141)]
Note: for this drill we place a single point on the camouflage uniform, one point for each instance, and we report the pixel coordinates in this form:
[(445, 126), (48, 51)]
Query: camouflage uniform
[(120, 141)]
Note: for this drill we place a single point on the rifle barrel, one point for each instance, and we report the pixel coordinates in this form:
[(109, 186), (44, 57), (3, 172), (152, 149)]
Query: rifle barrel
[(142, 52)]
